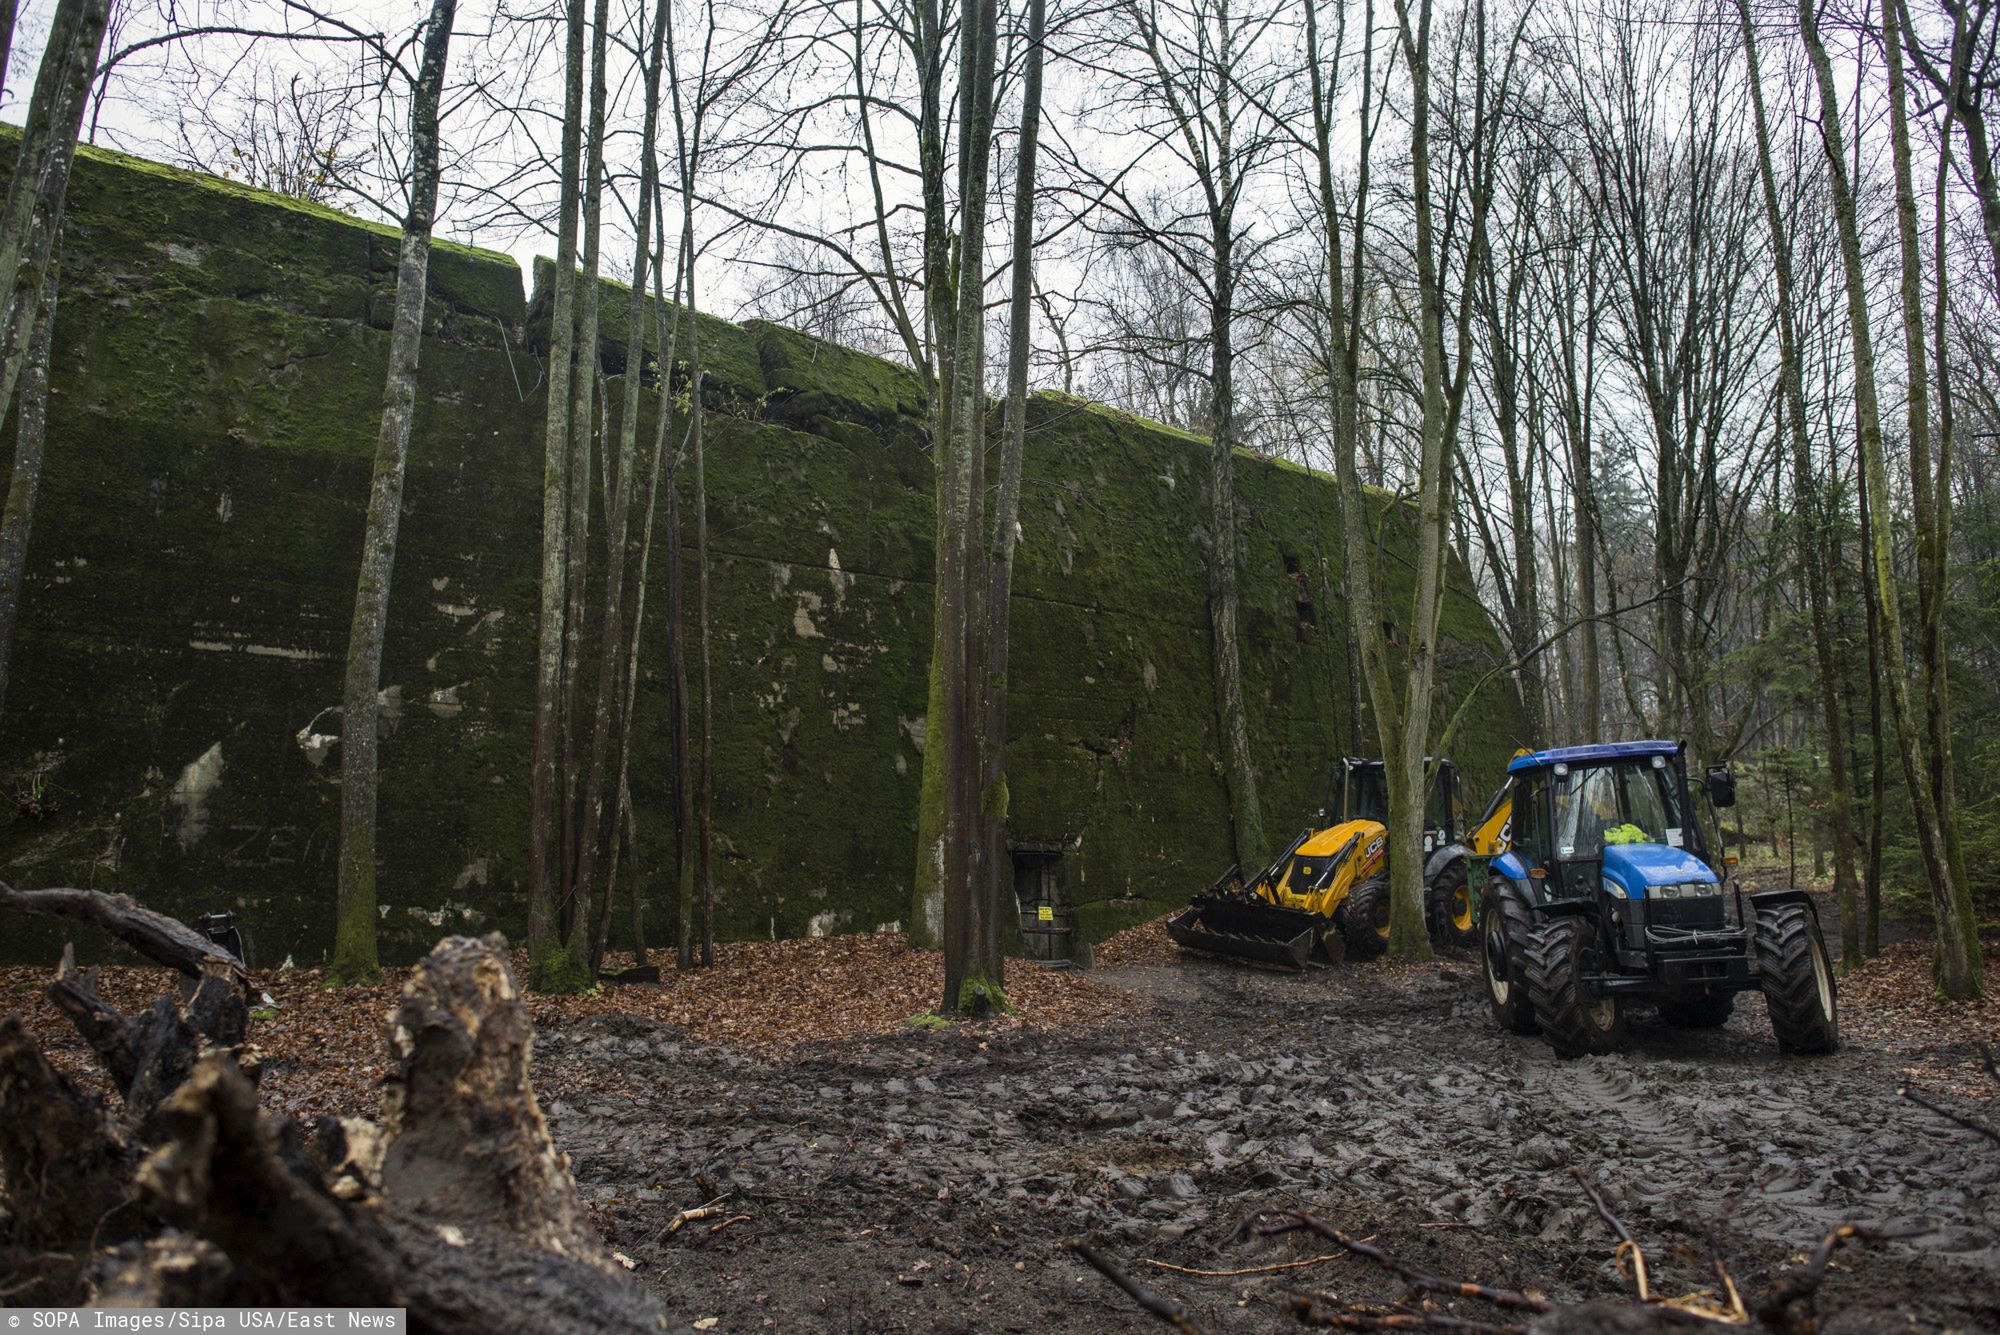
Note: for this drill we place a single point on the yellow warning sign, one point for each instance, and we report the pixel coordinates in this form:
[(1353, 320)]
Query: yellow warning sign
[(1046, 913)]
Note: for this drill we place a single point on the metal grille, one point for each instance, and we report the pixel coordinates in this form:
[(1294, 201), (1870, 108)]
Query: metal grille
[(1685, 912)]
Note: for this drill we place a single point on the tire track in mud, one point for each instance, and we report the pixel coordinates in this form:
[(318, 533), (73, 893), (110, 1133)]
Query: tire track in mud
[(1234, 1092)]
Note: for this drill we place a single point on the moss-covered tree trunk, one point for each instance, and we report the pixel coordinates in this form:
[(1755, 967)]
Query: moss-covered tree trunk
[(1007, 496), (30, 226), (24, 486), (1956, 961), (971, 961), (32, 213), (354, 959), (1806, 492), (548, 963)]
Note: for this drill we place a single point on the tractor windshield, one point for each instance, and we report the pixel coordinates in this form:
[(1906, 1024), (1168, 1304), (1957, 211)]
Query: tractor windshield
[(1628, 801)]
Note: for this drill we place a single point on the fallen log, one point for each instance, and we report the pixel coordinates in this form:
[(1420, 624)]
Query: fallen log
[(159, 938)]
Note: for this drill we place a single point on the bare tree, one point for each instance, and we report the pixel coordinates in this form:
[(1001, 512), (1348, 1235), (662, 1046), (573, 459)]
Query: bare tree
[(354, 958), (1956, 962)]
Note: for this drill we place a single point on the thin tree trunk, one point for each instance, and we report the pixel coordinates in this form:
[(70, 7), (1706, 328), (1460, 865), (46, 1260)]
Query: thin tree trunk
[(662, 425), (1007, 500), (1806, 499), (969, 986), (354, 959), (1956, 962), (549, 965), (1878, 779), (576, 914), (610, 666), (30, 437)]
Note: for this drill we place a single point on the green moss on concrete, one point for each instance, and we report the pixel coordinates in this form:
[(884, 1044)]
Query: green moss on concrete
[(219, 369)]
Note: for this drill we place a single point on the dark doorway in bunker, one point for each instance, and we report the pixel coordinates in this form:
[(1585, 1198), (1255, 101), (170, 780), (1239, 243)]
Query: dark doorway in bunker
[(1048, 923)]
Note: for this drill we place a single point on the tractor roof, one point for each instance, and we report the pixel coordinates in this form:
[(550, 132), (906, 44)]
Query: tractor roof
[(1595, 753)]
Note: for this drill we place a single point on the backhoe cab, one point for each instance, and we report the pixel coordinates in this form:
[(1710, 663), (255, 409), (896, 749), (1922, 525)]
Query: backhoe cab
[(1611, 895)]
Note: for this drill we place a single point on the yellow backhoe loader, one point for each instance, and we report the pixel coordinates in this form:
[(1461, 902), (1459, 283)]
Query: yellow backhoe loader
[(1328, 893)]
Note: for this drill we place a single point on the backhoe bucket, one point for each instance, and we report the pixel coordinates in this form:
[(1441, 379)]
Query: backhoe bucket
[(1240, 929)]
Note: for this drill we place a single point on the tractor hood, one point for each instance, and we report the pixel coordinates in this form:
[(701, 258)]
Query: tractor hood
[(1641, 870)]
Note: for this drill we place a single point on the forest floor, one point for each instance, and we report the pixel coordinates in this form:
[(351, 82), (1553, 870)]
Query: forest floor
[(887, 1177)]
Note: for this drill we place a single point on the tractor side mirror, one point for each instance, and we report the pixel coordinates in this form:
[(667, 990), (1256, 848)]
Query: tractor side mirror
[(1721, 787)]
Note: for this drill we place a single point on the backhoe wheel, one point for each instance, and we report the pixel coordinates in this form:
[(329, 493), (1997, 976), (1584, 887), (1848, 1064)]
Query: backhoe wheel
[(1448, 909), (1705, 1010), (1364, 918), (1575, 1023), (1798, 980), (1503, 930)]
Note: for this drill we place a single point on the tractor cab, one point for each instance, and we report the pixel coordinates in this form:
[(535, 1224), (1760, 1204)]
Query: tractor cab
[(1611, 892)]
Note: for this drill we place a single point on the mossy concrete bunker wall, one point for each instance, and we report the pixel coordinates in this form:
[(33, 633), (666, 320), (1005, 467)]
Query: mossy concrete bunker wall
[(217, 384)]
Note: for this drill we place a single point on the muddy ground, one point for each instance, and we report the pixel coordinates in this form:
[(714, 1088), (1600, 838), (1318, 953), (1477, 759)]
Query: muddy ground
[(925, 1181)]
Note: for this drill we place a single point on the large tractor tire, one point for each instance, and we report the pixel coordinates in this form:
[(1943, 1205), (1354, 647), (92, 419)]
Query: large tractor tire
[(1708, 1010), (1364, 918), (1576, 1024), (1504, 924), (1798, 980), (1448, 909)]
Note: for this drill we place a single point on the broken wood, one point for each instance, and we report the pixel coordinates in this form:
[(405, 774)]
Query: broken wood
[(154, 935), (459, 1209), (1166, 1309)]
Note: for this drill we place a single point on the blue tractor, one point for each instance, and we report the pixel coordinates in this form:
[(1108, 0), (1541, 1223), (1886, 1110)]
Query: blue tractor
[(1610, 895)]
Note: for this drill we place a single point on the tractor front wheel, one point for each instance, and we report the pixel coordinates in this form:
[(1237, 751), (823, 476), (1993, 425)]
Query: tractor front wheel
[(1364, 918), (1504, 927), (1448, 909), (1798, 980), (1576, 1023)]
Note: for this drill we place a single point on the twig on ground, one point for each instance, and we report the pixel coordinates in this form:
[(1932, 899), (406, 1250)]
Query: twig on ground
[(1166, 1309), (680, 1221), (1627, 1244), (1417, 1279), (1246, 1270), (1800, 1284), (733, 1219), (1908, 1090)]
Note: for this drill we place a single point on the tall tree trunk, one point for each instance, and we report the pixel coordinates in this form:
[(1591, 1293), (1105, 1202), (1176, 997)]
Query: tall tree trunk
[(31, 434), (31, 217), (1246, 816), (611, 662), (1007, 499), (970, 973), (1807, 490), (575, 915), (926, 925), (1956, 963), (548, 964), (1878, 778), (354, 959), (1930, 484)]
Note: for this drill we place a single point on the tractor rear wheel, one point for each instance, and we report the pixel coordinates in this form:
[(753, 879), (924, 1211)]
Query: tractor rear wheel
[(1798, 980), (1504, 926), (1705, 1010), (1364, 918), (1448, 909), (1576, 1023)]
